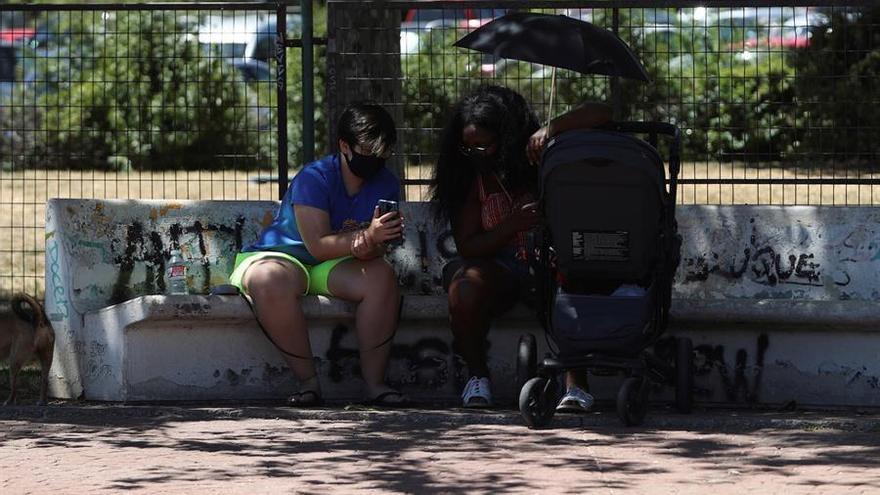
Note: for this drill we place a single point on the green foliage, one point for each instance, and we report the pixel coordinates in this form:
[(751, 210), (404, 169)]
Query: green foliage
[(131, 89), (147, 99), (729, 102), (433, 81), (295, 92), (17, 140), (837, 86)]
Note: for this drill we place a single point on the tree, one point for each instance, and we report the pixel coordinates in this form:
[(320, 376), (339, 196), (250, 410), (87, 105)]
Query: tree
[(149, 99), (836, 89)]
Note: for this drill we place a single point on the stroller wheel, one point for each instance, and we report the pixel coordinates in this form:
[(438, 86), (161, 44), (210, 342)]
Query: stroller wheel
[(526, 359), (684, 375), (537, 401), (632, 401)]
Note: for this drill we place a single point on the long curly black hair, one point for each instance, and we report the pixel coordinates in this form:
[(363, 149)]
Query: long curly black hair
[(505, 113)]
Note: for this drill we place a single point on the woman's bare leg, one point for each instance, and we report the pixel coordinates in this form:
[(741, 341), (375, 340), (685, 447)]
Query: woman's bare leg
[(373, 285), (479, 290), (276, 287)]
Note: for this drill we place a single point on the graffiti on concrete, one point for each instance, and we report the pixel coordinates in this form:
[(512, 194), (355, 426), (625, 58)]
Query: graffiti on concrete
[(764, 266), (425, 363), (852, 375), (147, 247), (831, 254), (712, 360), (96, 366), (709, 359), (419, 262), (736, 384), (56, 284), (760, 261)]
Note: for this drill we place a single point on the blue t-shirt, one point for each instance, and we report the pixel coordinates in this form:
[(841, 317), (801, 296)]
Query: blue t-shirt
[(319, 184)]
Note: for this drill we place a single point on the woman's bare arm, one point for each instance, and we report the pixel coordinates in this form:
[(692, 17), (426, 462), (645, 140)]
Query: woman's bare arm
[(474, 242), (583, 117), (314, 227)]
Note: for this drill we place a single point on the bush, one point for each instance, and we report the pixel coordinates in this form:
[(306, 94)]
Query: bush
[(432, 84), (17, 138), (836, 89), (150, 100)]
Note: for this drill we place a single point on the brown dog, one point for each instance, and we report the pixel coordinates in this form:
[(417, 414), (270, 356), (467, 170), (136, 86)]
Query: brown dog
[(25, 336)]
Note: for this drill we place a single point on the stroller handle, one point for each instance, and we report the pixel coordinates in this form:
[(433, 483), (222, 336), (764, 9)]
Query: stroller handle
[(652, 129), (643, 128)]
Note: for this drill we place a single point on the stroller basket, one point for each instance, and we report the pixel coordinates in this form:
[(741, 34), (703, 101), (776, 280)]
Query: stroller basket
[(585, 323)]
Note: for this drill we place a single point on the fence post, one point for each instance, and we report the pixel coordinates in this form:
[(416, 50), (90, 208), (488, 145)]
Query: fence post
[(281, 83), (308, 82), (615, 81), (363, 62)]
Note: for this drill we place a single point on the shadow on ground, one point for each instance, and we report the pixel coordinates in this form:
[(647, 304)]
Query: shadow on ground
[(405, 451)]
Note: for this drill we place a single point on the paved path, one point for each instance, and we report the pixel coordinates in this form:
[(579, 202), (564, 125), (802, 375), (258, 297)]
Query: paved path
[(252, 450)]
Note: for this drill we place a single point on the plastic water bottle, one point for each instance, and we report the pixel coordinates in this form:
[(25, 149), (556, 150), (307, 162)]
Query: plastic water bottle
[(177, 274)]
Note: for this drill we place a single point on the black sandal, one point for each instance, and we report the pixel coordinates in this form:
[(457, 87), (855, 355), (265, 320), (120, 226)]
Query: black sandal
[(381, 400), (305, 398)]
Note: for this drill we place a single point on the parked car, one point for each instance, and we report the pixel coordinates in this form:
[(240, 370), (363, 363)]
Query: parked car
[(417, 24), (13, 40), (795, 32), (247, 42), (424, 19)]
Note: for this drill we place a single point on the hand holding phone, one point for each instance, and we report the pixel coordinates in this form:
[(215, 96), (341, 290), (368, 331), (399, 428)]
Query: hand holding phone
[(386, 206)]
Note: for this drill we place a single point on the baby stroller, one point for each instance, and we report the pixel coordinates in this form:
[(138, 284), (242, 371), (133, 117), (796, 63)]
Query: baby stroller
[(604, 260)]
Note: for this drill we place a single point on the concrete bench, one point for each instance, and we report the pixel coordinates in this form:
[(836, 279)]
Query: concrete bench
[(782, 302), (779, 301)]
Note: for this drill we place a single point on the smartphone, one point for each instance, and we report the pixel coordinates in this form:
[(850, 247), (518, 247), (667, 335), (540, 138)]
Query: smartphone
[(386, 206)]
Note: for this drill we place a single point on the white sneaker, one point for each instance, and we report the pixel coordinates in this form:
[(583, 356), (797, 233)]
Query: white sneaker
[(575, 400), (477, 393)]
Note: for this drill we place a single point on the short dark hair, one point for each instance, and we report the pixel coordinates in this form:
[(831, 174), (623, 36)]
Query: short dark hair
[(369, 125)]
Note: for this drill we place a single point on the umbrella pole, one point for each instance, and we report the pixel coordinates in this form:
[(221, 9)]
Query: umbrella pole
[(552, 93)]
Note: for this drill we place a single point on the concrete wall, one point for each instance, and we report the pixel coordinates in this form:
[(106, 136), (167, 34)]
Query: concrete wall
[(780, 303), (775, 252)]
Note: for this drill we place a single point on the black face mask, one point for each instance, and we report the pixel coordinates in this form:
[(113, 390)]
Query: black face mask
[(365, 166), (484, 164)]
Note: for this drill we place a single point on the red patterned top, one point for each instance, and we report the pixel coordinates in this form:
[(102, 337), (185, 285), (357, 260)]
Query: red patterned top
[(496, 207)]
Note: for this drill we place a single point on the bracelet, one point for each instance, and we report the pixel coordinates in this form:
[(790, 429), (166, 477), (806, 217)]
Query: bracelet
[(367, 240), (354, 239)]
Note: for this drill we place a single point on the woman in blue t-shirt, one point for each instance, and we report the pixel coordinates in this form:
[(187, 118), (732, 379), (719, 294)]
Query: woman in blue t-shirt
[(328, 238)]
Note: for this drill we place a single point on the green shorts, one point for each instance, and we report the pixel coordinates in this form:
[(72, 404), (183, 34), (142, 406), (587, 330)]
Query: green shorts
[(317, 276)]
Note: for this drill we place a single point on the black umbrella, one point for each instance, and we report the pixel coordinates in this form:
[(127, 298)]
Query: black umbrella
[(557, 41)]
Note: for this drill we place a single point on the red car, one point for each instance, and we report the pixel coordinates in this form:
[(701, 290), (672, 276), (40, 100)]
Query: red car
[(782, 38), (460, 18), (9, 36)]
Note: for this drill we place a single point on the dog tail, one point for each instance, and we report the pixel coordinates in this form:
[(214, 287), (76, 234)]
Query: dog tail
[(35, 316)]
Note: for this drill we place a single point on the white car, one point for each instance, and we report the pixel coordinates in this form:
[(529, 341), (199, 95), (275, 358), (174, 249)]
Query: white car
[(245, 41)]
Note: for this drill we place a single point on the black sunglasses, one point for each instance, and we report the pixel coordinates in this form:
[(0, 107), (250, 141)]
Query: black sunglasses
[(475, 150)]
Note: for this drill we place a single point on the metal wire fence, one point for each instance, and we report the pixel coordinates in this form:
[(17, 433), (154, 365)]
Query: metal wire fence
[(130, 101), (777, 103)]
